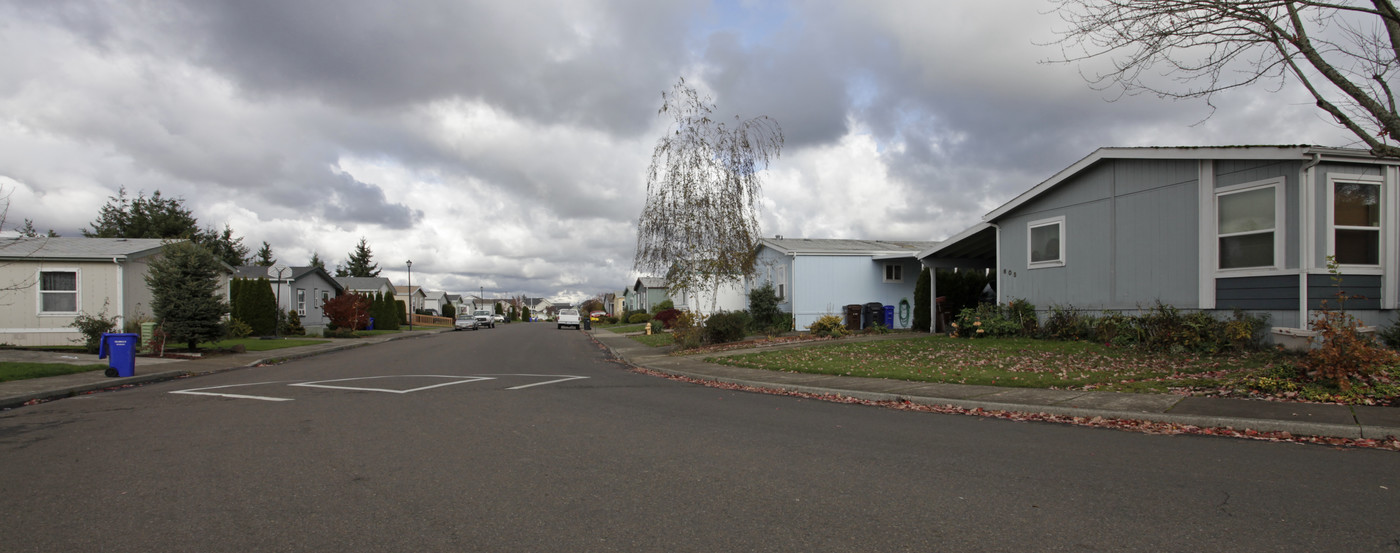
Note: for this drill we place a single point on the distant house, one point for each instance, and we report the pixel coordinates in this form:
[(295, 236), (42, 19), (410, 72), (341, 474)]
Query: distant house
[(412, 296), (301, 288), (649, 291), (629, 299), (50, 281), (456, 301), (1198, 228), (434, 300), (728, 296), (366, 285), (816, 277), (619, 303)]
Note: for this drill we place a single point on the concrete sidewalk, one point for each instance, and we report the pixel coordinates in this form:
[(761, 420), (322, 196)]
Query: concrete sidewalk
[(16, 393), (1303, 419)]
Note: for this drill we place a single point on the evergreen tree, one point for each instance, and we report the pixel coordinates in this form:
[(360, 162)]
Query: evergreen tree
[(449, 311), (28, 230), (525, 313), (361, 262), (236, 298), (264, 256), (392, 311), (160, 217), (923, 314), (261, 307), (401, 311), (317, 262), (225, 246), (185, 282)]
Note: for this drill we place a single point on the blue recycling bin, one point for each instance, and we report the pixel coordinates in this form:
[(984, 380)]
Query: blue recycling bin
[(371, 324), (120, 351), (889, 316)]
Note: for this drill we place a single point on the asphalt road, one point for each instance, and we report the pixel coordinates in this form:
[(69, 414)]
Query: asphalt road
[(488, 441)]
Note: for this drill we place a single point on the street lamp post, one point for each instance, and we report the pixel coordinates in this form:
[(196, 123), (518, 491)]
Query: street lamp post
[(410, 295)]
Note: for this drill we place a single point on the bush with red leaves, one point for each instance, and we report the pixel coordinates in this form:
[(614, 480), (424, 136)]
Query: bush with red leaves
[(668, 317), (348, 311)]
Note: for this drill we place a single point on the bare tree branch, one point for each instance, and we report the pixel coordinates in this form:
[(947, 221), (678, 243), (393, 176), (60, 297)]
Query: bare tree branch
[(700, 221), (1344, 53)]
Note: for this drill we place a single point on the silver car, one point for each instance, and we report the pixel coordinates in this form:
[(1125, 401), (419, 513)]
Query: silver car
[(466, 322)]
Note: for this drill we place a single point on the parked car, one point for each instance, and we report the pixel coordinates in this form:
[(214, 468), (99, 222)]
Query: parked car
[(484, 318), (569, 317), (597, 315), (498, 318), (466, 322)]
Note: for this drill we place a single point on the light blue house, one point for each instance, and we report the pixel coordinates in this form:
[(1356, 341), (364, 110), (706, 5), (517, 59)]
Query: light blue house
[(647, 292), (1247, 227), (816, 277)]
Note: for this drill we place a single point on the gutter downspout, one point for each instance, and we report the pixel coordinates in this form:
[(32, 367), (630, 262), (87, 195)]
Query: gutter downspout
[(996, 263), (792, 290), (1307, 241), (121, 292)]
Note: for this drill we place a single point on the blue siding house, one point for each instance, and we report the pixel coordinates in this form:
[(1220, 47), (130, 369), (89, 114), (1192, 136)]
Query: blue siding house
[(1247, 227), (815, 277)]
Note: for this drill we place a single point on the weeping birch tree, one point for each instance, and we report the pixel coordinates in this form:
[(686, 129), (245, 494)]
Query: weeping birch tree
[(1343, 52), (700, 223)]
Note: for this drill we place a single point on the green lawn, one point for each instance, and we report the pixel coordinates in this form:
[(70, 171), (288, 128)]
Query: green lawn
[(23, 371), (255, 344), (1014, 362), (654, 340), (623, 329)]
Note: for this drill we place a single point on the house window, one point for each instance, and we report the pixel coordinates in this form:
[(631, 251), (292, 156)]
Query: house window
[(1246, 219), (301, 301), (58, 291), (894, 272), (1045, 243), (1356, 223), (780, 281)]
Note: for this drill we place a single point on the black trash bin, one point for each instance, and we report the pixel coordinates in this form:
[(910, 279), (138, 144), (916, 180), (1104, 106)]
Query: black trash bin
[(853, 316), (873, 314)]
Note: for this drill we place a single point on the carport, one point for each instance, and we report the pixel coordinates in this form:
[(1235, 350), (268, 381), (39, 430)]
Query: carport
[(970, 250)]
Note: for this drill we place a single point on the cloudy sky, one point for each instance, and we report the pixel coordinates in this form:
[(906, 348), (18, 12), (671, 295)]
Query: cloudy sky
[(502, 145)]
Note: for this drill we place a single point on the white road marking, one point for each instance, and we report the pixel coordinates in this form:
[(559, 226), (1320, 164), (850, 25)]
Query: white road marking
[(325, 384), (565, 378), (459, 380), (197, 392)]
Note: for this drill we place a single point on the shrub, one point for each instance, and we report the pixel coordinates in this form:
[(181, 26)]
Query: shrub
[(1067, 323), (687, 334), (337, 333), (667, 317), (763, 307), (1390, 335), (291, 324), (726, 327), (1022, 313), (984, 321), (638, 318), (1344, 352), (659, 307), (829, 325), (93, 327), (347, 311), (923, 314), (239, 329)]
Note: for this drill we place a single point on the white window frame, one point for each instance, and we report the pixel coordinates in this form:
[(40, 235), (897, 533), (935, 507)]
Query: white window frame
[(1280, 212), (777, 276), (1377, 181), (898, 270), (1057, 221), (301, 302), (77, 292)]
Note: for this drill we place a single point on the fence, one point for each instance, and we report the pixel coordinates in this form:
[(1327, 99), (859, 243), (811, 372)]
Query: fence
[(431, 320)]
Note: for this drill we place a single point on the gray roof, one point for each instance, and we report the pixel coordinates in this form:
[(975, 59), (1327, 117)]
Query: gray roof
[(650, 282), (78, 248), (364, 283), (259, 271), (846, 247)]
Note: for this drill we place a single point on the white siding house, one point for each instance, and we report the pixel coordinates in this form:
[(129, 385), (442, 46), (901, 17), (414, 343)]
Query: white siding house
[(816, 277)]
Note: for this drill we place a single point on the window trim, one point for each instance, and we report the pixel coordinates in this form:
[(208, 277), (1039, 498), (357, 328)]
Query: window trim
[(1280, 214), (1031, 226), (77, 291), (899, 269), (1331, 225), (780, 281), (301, 302)]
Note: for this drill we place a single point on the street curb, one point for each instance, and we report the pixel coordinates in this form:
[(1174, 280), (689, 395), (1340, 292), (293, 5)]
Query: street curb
[(1298, 428), (12, 402)]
